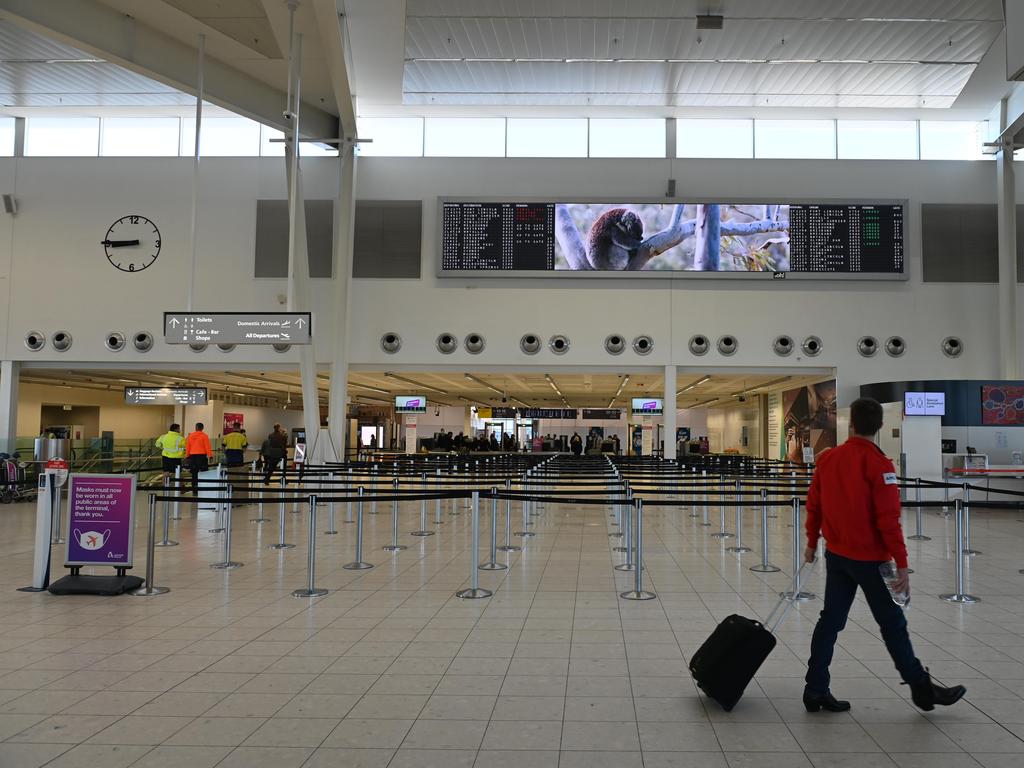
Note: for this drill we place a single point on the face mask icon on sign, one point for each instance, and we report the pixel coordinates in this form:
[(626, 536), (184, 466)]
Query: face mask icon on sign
[(91, 539)]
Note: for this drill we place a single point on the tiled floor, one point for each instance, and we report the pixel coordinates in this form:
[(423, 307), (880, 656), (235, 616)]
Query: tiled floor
[(389, 669)]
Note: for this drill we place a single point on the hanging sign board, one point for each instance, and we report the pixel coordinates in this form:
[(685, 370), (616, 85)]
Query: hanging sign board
[(101, 520), (238, 327), (165, 395)]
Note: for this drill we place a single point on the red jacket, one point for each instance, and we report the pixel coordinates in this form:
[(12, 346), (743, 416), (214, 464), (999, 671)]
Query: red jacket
[(854, 501)]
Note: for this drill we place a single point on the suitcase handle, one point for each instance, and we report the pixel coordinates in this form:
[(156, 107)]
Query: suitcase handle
[(806, 569)]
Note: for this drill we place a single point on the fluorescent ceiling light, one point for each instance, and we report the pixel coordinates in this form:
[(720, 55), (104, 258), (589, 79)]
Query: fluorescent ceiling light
[(396, 377)]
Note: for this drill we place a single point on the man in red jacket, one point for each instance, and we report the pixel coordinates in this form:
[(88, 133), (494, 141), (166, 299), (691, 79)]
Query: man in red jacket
[(854, 500)]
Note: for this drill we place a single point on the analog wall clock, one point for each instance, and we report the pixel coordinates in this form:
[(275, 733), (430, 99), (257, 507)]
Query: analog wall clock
[(132, 243)]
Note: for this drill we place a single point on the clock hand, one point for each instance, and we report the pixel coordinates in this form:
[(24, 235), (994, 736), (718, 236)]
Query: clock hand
[(118, 243)]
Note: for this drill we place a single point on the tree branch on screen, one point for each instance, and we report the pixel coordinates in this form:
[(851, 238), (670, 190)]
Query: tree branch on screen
[(707, 227)]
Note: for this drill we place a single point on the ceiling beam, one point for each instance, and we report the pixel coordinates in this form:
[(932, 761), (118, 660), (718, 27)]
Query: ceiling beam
[(333, 26), (120, 39)]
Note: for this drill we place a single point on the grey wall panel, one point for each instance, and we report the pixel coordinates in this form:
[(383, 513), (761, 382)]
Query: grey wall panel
[(272, 238), (388, 238), (959, 243)]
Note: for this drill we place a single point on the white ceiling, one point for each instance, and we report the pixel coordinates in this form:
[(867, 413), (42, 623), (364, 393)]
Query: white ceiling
[(913, 54)]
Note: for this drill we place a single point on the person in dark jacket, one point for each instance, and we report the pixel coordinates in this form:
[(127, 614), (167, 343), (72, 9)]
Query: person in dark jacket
[(854, 500), (576, 444), (274, 450)]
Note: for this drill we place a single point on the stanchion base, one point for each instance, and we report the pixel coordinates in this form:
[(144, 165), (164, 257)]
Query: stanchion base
[(492, 566), (524, 534), (706, 524), (509, 548), (721, 535), (759, 568), (960, 598), (226, 566), (36, 589), (738, 550), (473, 594), (281, 546), (798, 597), (394, 547), (971, 551), (919, 537), (309, 592), (166, 543), (330, 533), (360, 566), (422, 533), (625, 567), (58, 540), (147, 590), (632, 594), (215, 530)]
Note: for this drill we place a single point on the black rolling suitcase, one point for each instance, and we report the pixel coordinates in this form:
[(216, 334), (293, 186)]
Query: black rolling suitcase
[(728, 660)]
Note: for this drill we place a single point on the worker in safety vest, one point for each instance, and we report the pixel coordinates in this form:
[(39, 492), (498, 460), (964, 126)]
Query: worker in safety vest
[(235, 443), (198, 453), (172, 450)]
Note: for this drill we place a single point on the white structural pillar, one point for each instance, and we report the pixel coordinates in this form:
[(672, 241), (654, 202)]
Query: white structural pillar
[(344, 229), (1006, 197), (10, 370), (669, 417)]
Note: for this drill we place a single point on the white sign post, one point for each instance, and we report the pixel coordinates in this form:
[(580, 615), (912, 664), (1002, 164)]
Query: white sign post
[(47, 491)]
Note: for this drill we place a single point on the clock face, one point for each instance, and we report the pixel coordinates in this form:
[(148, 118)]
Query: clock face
[(132, 243)]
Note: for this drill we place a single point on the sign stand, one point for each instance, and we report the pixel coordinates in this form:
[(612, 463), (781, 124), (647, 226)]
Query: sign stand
[(101, 526), (48, 490)]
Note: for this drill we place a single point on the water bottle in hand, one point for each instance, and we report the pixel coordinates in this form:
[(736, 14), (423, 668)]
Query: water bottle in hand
[(889, 576)]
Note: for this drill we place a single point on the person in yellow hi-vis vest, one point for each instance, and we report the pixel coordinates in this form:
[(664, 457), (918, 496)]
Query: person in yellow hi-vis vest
[(172, 449)]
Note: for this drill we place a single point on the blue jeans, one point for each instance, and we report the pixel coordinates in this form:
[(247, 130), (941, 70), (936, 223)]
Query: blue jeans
[(843, 576)]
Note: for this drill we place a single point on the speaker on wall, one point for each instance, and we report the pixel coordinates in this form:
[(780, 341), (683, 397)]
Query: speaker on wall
[(867, 346), (143, 341), (895, 346), (114, 341), (197, 347), (643, 345), (281, 347), (391, 343), (447, 343), (530, 343), (225, 347), (727, 345), (35, 340), (614, 344), (699, 345), (559, 344), (952, 346), (62, 341), (475, 343), (782, 346), (811, 346)]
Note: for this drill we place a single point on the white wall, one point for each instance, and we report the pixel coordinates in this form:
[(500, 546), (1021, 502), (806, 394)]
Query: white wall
[(53, 274), (726, 425)]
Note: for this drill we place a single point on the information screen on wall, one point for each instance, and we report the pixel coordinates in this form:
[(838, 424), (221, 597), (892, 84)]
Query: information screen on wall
[(802, 239), (647, 406), (410, 404), (924, 403)]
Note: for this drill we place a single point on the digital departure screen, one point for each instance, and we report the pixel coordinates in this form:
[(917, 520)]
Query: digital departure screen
[(775, 239)]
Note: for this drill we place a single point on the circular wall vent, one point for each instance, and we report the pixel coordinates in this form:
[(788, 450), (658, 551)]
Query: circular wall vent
[(143, 341), (35, 340), (475, 343), (559, 344), (867, 346), (391, 343), (812, 346), (62, 341), (530, 343), (643, 345), (197, 347), (447, 343), (727, 345), (281, 347), (114, 341), (614, 344), (225, 347), (895, 346), (782, 346), (699, 345), (952, 346)]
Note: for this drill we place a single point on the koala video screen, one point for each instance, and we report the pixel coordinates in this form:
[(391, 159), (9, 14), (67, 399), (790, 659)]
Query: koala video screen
[(772, 239)]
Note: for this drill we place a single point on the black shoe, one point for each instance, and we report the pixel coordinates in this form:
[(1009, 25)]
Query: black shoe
[(814, 702), (927, 694)]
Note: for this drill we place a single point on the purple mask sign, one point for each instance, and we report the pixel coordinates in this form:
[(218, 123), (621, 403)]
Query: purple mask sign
[(101, 520)]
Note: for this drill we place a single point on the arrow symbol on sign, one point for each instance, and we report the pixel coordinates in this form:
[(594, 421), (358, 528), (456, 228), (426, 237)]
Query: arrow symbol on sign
[(174, 322), (300, 322), (131, 393)]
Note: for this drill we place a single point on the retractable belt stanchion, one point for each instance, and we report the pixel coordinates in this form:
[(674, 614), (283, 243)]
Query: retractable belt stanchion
[(166, 542), (358, 564), (968, 549), (918, 523), (177, 488), (694, 512), (394, 546), (437, 501), (526, 512), (638, 592), (311, 590), (260, 517), (721, 533), (474, 590), (764, 566), (738, 547), (227, 563), (331, 527), (626, 526), (148, 588), (218, 514), (373, 490), (508, 546), (280, 524), (959, 596), (797, 594), (492, 563), (348, 492), (423, 512)]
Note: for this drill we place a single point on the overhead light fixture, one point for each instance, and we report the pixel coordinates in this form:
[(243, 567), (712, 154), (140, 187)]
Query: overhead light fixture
[(483, 383), (709, 21), (371, 389), (705, 402), (765, 385), (427, 387), (693, 386), (622, 385)]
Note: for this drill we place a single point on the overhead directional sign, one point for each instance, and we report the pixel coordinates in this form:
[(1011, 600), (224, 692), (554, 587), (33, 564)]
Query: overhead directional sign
[(238, 327), (165, 395)]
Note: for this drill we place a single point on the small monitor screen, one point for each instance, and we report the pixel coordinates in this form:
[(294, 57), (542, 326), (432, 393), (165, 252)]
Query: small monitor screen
[(410, 404), (647, 405), (924, 403)]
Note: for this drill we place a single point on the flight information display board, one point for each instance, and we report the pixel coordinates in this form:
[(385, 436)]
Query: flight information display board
[(805, 239)]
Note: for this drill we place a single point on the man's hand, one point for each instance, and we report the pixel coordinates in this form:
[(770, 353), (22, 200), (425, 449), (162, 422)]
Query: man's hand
[(902, 582), (809, 555)]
